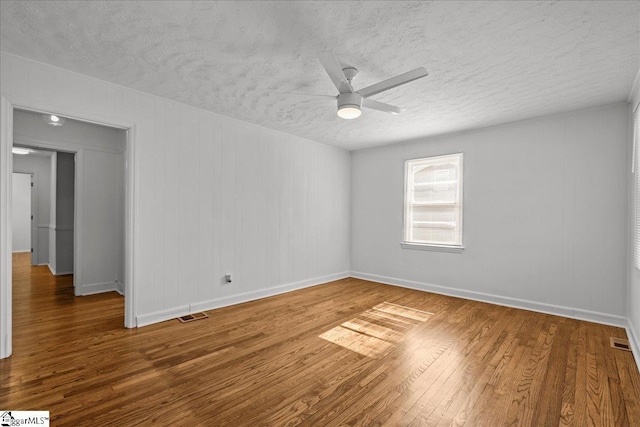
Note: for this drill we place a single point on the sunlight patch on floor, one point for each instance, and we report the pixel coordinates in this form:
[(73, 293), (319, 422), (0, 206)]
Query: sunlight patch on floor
[(376, 331)]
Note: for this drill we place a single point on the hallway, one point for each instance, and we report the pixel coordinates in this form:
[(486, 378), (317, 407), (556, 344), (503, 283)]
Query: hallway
[(43, 303)]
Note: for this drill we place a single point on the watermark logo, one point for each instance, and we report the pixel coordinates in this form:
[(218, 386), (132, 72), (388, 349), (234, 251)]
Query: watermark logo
[(24, 418)]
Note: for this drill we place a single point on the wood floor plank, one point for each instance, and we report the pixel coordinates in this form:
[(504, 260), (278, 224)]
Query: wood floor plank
[(567, 410), (432, 360)]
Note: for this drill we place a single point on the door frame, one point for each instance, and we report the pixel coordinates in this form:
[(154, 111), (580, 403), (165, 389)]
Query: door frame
[(7, 108)]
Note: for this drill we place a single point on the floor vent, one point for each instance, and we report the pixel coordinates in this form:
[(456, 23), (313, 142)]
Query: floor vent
[(620, 343), (192, 317)]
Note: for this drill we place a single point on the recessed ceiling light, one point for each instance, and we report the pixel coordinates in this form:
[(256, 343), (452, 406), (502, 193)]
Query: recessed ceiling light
[(53, 120), (20, 150)]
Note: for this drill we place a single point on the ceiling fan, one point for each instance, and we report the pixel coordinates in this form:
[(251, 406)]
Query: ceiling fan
[(350, 101)]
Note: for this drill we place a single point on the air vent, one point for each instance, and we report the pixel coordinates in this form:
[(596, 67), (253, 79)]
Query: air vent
[(192, 317), (620, 343)]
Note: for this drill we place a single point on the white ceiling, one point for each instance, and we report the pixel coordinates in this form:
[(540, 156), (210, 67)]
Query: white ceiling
[(488, 62)]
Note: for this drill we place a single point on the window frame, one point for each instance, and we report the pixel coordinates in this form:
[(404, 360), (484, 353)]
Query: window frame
[(407, 244)]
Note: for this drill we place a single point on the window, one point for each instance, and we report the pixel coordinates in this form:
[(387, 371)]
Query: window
[(433, 202), (636, 165)]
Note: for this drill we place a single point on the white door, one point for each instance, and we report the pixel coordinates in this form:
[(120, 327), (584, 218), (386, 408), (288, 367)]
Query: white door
[(22, 214)]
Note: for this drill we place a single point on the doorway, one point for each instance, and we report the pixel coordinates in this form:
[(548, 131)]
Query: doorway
[(85, 197), (125, 203)]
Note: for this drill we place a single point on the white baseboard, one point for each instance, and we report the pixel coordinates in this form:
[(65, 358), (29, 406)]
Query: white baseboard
[(95, 288), (57, 273), (21, 252), (162, 315), (570, 312), (120, 288), (634, 342), (172, 313)]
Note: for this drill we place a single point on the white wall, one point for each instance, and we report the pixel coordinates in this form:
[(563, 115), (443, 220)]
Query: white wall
[(545, 220), (40, 166), (21, 212), (213, 195)]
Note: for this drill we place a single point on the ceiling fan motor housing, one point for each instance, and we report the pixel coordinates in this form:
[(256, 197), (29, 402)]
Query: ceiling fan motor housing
[(349, 100)]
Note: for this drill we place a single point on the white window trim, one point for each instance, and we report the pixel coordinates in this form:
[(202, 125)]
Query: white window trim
[(404, 244), (432, 247)]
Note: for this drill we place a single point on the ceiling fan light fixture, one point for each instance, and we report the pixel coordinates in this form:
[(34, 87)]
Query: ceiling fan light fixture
[(349, 105), (349, 112), (53, 120)]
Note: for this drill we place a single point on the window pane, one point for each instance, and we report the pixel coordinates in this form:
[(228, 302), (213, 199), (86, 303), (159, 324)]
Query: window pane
[(433, 211), (443, 236)]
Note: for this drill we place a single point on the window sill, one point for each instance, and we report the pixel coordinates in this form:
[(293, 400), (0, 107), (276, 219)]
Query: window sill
[(435, 248)]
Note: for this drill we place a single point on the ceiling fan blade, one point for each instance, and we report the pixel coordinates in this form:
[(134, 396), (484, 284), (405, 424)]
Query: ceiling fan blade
[(333, 68), (396, 81), (381, 106)]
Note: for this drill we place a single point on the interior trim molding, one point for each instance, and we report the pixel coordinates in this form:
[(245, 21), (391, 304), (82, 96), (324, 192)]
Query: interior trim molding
[(62, 273), (56, 143), (172, 313), (557, 310), (95, 288), (634, 342), (54, 227), (6, 176), (53, 271)]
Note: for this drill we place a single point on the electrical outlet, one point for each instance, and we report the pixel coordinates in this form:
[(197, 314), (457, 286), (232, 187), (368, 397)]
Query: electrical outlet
[(227, 278)]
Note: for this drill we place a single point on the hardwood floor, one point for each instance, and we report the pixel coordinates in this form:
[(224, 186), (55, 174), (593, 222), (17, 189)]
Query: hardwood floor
[(403, 358)]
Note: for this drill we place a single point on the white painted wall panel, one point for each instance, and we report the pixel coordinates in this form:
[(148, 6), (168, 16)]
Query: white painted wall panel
[(190, 203), (268, 172), (100, 204), (206, 214), (172, 223), (544, 214), (160, 187)]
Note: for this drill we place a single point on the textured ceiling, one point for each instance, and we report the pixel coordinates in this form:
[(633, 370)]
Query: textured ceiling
[(488, 62)]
